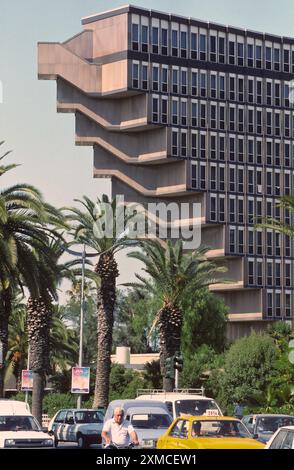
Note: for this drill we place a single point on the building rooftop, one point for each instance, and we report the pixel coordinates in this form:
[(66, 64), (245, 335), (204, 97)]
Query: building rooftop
[(128, 8)]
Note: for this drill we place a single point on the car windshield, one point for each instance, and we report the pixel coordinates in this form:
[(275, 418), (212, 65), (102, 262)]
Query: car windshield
[(269, 424), (195, 407), (218, 428), (83, 417), (18, 423), (151, 421)]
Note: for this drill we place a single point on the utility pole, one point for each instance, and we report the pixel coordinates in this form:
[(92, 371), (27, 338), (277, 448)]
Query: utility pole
[(84, 255), (79, 402)]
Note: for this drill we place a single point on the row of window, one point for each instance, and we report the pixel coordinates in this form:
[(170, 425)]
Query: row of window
[(172, 39), (269, 273), (224, 117), (259, 242), (208, 84), (231, 148), (246, 211), (279, 304), (250, 180)]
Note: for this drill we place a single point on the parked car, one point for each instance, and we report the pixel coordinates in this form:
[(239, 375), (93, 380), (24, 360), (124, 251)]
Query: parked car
[(149, 418), (282, 439), (207, 432), (183, 401), (263, 426), (19, 429), (82, 426)]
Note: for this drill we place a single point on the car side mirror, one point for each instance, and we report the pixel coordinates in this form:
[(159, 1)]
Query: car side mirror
[(255, 436)]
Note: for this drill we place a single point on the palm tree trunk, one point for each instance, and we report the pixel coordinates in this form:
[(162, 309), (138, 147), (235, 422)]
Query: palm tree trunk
[(5, 311), (38, 394), (170, 329), (107, 270), (39, 316)]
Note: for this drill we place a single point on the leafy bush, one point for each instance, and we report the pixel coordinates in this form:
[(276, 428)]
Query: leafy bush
[(55, 401), (248, 368)]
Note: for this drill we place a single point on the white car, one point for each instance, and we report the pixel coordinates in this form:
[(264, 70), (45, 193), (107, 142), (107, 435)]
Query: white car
[(282, 439), (183, 401), (82, 426), (19, 429)]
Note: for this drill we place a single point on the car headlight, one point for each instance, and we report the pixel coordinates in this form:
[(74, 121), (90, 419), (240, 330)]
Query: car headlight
[(9, 442), (48, 442)]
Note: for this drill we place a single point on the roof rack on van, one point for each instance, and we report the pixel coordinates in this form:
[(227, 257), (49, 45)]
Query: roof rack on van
[(160, 391)]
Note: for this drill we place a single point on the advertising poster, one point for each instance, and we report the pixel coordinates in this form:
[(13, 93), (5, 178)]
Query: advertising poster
[(80, 380), (27, 380)]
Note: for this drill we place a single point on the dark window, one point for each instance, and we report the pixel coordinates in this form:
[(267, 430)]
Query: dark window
[(155, 36), (183, 44), (213, 48), (258, 57), (250, 55), (135, 80), (164, 48), (240, 54), (202, 47), (232, 52), (268, 58), (135, 37), (144, 45), (174, 43), (193, 46), (221, 50)]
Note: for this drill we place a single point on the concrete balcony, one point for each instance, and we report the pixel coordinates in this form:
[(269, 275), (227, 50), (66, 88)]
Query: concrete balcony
[(56, 61), (125, 115), (133, 148)]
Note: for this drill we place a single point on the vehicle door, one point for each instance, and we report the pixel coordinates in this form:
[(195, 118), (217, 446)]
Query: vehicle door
[(58, 424), (178, 435), (288, 442), (278, 441), (67, 427)]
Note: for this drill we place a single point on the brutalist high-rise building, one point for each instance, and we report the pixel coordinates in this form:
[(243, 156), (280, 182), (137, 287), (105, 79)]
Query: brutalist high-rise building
[(178, 109)]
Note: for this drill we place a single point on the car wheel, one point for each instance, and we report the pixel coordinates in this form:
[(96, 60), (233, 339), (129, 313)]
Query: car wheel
[(82, 442)]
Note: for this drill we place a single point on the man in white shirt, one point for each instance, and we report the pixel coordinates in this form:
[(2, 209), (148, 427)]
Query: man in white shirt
[(119, 431)]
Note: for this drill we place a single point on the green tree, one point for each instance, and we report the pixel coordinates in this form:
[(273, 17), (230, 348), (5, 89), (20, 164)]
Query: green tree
[(101, 226), (125, 382), (172, 277), (248, 368), (204, 322), (134, 315)]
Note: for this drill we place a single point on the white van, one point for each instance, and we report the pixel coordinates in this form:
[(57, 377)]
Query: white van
[(183, 401), (19, 429)]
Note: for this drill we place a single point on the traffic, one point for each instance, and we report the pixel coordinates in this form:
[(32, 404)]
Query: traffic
[(183, 419)]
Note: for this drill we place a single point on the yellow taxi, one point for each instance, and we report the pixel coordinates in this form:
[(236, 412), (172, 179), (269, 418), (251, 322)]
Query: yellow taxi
[(207, 432)]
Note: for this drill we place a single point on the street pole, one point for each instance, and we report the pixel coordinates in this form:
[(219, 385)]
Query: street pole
[(176, 378), (79, 402), (28, 368)]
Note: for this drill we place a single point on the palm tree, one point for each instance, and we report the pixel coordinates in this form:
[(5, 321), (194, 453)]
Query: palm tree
[(23, 218), (286, 203), (40, 314), (172, 277), (92, 229)]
